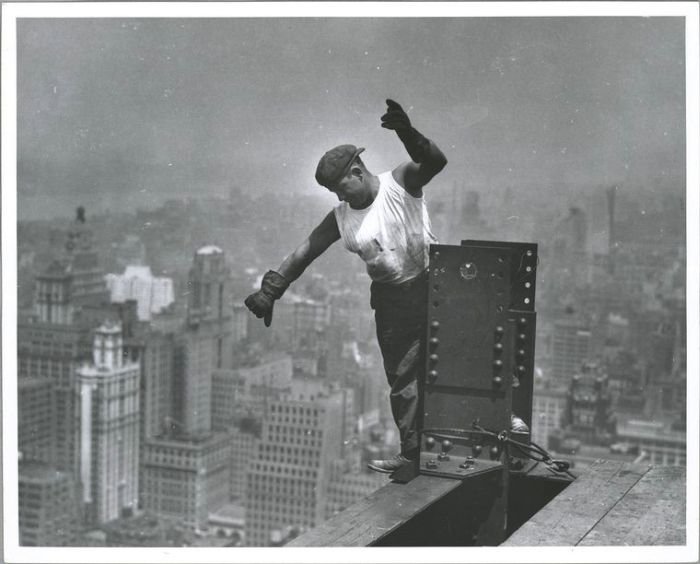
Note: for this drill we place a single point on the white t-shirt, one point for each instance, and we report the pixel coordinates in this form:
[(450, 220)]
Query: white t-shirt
[(392, 235)]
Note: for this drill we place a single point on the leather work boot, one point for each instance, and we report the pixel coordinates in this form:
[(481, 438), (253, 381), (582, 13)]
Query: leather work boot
[(388, 466)]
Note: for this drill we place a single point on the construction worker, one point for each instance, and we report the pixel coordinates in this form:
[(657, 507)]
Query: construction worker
[(382, 218)]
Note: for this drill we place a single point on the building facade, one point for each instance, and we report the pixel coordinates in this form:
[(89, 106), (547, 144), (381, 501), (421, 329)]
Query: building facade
[(288, 481), (186, 478), (36, 420), (571, 346), (152, 293), (108, 429), (48, 506)]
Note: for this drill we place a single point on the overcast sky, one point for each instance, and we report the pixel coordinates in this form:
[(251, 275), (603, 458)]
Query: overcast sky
[(131, 111)]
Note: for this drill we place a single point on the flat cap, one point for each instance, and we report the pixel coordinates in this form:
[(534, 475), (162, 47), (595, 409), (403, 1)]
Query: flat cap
[(335, 164)]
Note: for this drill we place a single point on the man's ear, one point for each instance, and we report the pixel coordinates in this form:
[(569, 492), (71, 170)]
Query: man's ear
[(356, 171)]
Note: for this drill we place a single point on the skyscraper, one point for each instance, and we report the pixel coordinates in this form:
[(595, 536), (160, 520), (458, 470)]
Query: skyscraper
[(288, 481), (108, 429), (203, 347), (185, 466), (70, 295), (571, 346)]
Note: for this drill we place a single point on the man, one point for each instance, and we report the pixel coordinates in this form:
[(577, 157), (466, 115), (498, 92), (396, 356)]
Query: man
[(382, 218)]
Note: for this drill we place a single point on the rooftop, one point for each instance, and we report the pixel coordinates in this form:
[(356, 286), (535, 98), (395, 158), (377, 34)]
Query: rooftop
[(209, 250), (39, 472)]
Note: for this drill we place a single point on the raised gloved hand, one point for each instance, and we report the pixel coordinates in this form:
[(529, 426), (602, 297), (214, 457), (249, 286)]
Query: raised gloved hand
[(272, 288), (396, 118)]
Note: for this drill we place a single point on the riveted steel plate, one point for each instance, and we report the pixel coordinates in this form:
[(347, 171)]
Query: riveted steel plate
[(523, 269), (524, 324), (468, 300)]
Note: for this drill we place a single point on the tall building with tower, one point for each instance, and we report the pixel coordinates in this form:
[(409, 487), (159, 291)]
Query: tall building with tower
[(185, 466), (204, 346), (70, 300), (108, 429)]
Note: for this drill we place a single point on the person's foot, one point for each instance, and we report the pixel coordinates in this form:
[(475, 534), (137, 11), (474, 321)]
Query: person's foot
[(390, 465)]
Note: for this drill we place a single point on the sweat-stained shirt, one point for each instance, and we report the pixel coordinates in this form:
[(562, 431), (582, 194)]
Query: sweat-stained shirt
[(392, 235)]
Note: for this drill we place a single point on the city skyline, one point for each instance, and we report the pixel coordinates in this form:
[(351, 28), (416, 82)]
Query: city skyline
[(226, 117)]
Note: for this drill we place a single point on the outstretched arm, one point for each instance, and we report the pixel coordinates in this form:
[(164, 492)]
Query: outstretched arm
[(427, 158), (274, 284), (323, 236)]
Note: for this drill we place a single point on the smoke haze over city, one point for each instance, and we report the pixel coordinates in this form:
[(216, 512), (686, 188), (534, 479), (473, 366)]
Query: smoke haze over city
[(126, 113)]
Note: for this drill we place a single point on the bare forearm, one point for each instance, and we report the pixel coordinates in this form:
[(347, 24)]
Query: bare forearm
[(322, 237), (294, 265)]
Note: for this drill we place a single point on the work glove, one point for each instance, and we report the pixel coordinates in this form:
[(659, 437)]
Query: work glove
[(272, 288), (396, 118)]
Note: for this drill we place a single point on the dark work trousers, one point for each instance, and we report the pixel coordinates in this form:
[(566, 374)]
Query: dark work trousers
[(400, 312)]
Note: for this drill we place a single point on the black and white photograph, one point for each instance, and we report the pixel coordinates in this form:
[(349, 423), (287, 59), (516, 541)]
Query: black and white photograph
[(380, 282)]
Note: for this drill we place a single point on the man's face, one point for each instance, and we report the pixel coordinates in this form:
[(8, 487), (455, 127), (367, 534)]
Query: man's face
[(352, 189)]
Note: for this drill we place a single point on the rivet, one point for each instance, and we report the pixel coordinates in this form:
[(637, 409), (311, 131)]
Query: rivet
[(433, 358), (498, 347), (429, 442), (497, 380), (498, 363)]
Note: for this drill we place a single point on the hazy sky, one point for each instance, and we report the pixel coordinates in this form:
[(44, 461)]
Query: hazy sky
[(130, 111)]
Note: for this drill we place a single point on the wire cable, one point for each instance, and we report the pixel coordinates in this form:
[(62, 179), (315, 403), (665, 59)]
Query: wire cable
[(531, 450)]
